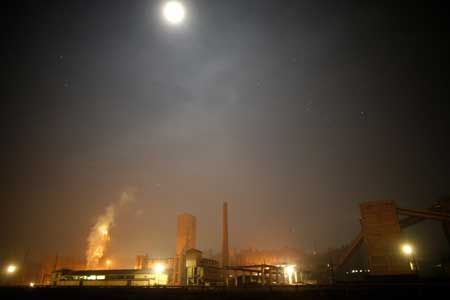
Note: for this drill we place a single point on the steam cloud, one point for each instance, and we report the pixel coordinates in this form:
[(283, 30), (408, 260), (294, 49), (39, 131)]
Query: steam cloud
[(99, 235)]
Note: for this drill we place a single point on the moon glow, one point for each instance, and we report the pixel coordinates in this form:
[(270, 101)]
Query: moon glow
[(174, 12)]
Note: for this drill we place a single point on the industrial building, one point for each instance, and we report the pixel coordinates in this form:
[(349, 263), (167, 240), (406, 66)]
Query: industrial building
[(381, 226), (143, 262), (128, 277), (186, 239), (202, 271), (188, 267), (258, 275)]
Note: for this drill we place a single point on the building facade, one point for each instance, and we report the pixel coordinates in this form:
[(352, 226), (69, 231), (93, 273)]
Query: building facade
[(127, 277), (202, 271)]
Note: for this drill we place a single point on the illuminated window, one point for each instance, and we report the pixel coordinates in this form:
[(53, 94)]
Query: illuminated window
[(100, 277)]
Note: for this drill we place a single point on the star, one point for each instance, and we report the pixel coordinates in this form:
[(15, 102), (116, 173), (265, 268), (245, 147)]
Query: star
[(362, 114), (308, 106)]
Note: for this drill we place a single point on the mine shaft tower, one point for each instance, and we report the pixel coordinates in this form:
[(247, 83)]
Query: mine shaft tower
[(381, 227)]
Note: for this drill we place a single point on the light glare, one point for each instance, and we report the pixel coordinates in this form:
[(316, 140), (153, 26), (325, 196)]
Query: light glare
[(174, 12), (11, 269), (159, 268), (407, 249), (290, 270)]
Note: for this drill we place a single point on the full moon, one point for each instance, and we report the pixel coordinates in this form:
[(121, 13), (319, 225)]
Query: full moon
[(173, 12)]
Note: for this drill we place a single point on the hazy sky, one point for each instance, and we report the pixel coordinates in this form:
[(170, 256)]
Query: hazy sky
[(292, 111)]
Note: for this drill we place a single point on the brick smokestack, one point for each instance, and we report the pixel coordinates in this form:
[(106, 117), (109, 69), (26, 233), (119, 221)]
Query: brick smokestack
[(225, 249)]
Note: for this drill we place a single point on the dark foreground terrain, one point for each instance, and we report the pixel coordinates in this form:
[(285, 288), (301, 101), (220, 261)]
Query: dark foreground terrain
[(360, 291)]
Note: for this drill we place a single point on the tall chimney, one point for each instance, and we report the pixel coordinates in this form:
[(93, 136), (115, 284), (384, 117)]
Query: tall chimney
[(225, 250)]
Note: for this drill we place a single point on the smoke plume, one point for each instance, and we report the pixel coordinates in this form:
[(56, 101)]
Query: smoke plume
[(99, 236)]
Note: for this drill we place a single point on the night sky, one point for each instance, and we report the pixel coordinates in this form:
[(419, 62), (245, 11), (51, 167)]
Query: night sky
[(292, 111)]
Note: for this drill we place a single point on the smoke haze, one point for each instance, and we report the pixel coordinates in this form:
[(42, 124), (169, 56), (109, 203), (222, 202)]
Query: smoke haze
[(99, 236)]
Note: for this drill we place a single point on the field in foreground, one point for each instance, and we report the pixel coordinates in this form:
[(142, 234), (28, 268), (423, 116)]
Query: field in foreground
[(372, 291)]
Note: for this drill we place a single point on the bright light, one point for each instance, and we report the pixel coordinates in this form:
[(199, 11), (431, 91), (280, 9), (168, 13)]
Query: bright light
[(108, 262), (407, 249), (159, 268), (289, 270), (11, 269), (31, 284), (104, 231), (174, 12)]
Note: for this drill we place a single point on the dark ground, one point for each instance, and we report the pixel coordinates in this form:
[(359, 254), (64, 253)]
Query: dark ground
[(374, 291)]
